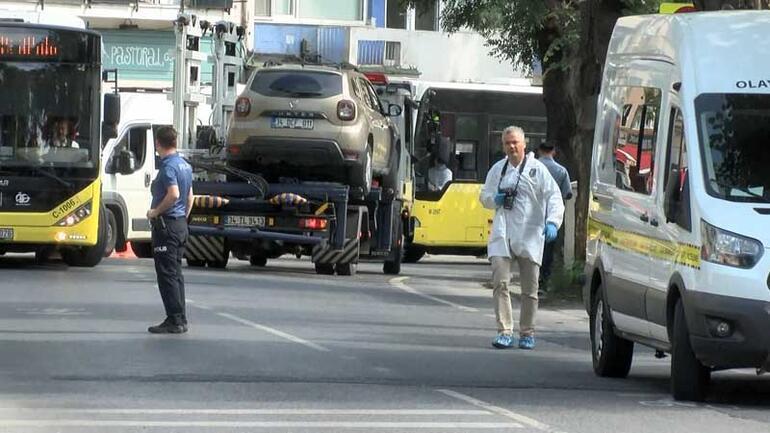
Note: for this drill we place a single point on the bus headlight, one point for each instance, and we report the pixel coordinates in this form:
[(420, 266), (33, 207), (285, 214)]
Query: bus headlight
[(729, 249), (75, 216)]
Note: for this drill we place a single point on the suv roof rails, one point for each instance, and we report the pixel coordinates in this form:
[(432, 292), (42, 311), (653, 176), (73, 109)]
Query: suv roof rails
[(314, 60), (144, 89)]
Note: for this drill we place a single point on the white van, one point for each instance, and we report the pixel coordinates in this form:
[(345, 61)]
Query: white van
[(129, 167), (679, 219)]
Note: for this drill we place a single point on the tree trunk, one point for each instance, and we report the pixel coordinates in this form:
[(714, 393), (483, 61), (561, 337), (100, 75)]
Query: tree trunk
[(570, 96)]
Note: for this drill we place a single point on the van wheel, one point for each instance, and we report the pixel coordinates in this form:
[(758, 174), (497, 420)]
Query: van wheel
[(142, 250), (689, 378), (346, 269), (112, 233), (612, 355), (324, 268), (218, 264), (260, 261)]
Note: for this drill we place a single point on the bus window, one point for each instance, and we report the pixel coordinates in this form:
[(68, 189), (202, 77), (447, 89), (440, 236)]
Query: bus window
[(465, 155)]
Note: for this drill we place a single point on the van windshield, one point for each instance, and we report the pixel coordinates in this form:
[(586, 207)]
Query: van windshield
[(735, 132)]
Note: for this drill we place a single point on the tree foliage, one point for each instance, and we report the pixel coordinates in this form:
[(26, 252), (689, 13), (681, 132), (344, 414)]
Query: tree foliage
[(569, 38), (523, 31)]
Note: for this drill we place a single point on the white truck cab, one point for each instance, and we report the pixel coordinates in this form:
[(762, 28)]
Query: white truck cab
[(679, 219), (129, 166)]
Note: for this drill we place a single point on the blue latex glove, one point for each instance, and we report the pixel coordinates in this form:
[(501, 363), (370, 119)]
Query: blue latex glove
[(499, 198), (550, 232)]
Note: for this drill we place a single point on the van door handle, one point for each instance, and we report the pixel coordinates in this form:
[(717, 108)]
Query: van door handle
[(147, 179), (644, 217), (654, 222)]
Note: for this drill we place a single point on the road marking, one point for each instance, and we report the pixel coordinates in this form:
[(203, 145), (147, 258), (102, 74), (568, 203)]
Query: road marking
[(197, 305), (274, 331), (136, 411), (399, 284), (525, 420), (259, 424)]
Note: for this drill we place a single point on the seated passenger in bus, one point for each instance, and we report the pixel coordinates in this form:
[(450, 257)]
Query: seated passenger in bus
[(438, 175)]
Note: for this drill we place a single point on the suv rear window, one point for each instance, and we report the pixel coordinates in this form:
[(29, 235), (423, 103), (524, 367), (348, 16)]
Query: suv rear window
[(297, 84)]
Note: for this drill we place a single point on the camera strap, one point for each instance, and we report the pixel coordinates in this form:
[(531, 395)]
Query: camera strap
[(505, 170)]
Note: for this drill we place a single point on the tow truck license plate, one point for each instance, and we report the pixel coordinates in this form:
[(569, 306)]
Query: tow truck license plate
[(245, 221), (292, 123), (6, 234)]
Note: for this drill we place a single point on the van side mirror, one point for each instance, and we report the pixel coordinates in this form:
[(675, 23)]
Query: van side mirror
[(125, 162), (394, 110)]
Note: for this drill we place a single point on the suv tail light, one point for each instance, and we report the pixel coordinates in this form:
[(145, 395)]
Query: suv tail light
[(242, 106), (346, 110)]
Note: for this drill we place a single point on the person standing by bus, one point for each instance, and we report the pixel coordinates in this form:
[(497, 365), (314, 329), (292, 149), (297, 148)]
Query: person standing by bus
[(528, 212), (172, 200), (546, 152)]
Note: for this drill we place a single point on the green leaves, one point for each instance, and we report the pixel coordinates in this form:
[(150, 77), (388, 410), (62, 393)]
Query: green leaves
[(522, 31)]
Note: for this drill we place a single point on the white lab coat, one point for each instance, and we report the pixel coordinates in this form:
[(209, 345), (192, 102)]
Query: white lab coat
[(519, 231)]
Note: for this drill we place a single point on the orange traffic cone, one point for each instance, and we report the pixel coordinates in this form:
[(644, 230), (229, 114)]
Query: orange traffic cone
[(127, 254)]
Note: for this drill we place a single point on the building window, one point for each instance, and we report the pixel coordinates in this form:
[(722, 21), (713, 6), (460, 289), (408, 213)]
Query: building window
[(347, 10), (426, 17), (262, 8), (396, 15), (284, 7)]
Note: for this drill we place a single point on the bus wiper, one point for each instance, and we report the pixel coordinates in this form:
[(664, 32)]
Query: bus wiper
[(741, 189), (52, 175)]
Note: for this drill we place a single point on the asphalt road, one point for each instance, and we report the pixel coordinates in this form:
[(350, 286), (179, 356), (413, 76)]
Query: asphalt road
[(280, 349)]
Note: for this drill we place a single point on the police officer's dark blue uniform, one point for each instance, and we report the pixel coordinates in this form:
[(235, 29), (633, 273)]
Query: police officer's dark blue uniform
[(171, 204)]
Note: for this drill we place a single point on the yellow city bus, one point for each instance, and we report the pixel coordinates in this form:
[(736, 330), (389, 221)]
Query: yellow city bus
[(459, 126), (50, 140)]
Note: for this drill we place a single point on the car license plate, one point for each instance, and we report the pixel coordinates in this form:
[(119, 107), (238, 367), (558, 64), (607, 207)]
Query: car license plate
[(245, 221), (291, 123), (6, 234)]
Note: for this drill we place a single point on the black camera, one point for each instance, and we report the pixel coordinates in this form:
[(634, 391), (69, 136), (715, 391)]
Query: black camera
[(510, 196)]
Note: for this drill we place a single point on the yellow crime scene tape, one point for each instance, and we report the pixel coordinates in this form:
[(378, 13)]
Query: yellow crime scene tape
[(672, 8), (680, 253)]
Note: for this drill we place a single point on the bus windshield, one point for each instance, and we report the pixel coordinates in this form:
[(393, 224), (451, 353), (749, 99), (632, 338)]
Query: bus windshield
[(47, 116), (469, 123)]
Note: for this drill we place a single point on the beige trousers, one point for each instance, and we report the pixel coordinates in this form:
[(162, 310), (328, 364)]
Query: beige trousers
[(501, 276)]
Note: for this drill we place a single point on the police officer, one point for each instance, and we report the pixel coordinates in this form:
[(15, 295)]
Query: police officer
[(546, 153), (172, 200), (528, 212)]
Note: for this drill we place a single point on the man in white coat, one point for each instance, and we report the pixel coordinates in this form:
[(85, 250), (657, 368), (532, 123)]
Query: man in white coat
[(528, 212)]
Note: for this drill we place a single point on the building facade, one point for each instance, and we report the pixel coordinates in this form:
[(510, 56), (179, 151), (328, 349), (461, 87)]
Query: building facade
[(138, 35), (376, 33)]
